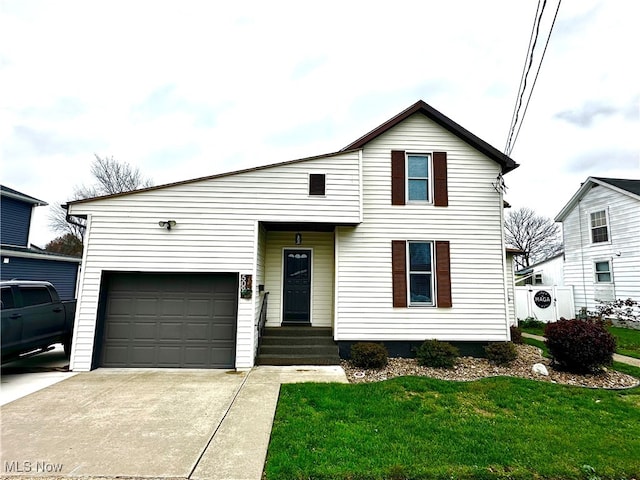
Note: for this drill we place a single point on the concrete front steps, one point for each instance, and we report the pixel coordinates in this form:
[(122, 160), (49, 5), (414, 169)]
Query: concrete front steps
[(297, 345)]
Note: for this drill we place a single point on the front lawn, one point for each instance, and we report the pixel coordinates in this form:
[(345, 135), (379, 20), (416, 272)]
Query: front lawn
[(628, 340), (423, 428)]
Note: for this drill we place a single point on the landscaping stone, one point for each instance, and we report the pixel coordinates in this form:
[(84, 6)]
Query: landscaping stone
[(540, 369)]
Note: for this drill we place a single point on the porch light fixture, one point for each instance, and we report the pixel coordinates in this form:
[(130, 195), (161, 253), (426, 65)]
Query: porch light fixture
[(298, 239), (168, 224)]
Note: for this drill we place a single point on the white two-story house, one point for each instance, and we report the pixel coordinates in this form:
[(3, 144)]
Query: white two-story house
[(601, 230), (396, 238)]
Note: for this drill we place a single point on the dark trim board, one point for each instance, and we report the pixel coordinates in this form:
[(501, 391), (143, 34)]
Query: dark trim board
[(407, 348)]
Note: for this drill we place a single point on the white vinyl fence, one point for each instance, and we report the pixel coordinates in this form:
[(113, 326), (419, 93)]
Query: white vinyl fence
[(545, 303)]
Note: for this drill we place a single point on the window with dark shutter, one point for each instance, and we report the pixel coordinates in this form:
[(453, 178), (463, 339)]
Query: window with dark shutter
[(397, 177), (316, 184), (440, 193), (443, 275), (420, 273), (399, 272)]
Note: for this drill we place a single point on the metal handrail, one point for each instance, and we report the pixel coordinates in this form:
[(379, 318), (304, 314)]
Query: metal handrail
[(262, 319)]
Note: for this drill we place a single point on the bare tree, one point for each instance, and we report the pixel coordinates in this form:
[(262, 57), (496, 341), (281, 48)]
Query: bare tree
[(537, 236), (111, 177)]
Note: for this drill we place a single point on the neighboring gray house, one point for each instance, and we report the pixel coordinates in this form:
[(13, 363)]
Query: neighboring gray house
[(19, 260), (396, 238), (601, 230)]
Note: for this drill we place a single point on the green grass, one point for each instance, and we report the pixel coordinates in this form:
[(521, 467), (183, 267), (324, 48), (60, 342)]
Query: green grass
[(423, 428), (628, 340)]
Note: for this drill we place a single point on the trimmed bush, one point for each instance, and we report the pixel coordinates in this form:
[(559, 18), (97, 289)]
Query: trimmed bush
[(433, 353), (516, 335), (501, 353), (531, 322), (579, 345), (369, 355)]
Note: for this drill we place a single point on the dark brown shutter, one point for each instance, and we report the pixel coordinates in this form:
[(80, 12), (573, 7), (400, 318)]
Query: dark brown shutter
[(397, 177), (440, 194), (316, 183), (399, 272), (443, 275)]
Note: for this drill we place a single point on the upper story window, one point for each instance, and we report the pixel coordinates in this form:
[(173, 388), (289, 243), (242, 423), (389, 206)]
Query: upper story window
[(599, 227), (418, 184), (317, 184)]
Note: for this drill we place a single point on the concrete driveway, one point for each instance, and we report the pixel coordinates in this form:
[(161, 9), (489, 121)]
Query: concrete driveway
[(165, 423), (27, 375)]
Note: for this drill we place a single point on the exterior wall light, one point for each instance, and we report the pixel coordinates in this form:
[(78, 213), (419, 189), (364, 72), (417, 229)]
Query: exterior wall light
[(168, 224), (298, 239)]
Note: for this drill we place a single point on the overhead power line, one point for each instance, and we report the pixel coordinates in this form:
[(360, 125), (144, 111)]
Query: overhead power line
[(516, 120)]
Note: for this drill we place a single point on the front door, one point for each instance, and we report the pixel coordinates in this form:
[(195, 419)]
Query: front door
[(297, 287)]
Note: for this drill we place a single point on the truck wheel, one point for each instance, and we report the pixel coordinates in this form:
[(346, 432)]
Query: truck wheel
[(67, 347)]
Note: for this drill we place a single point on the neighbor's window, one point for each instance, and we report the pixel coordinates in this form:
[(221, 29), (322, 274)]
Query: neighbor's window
[(603, 272), (420, 273), (418, 177), (317, 184), (537, 279), (599, 230)]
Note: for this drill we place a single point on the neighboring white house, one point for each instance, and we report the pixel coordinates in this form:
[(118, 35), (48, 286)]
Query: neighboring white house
[(546, 272), (398, 237), (601, 230)]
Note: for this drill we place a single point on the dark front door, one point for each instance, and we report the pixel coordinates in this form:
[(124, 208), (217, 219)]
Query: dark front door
[(297, 286)]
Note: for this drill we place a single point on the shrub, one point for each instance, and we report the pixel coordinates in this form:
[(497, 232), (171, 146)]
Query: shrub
[(501, 353), (433, 353), (579, 345), (516, 335), (369, 355), (531, 322)]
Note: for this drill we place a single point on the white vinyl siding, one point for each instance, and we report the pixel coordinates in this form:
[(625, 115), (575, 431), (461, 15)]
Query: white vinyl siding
[(622, 250), (471, 222), (216, 230), (322, 274)]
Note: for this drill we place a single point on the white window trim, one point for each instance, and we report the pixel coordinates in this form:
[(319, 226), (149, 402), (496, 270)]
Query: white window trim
[(433, 275), (606, 215), (430, 186), (610, 271)]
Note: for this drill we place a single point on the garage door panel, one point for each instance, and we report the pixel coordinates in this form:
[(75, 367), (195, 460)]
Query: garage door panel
[(170, 320)]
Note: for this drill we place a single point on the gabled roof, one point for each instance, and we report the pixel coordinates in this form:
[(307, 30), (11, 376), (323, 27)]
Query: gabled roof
[(503, 160), (431, 113), (628, 187), (11, 193)]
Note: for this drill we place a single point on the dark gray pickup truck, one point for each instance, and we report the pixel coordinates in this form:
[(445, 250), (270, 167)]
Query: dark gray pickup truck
[(34, 318)]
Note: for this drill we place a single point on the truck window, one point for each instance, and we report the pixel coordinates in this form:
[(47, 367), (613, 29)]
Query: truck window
[(7, 298), (35, 296)]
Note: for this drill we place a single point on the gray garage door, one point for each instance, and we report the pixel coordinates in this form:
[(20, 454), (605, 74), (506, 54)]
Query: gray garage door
[(170, 320)]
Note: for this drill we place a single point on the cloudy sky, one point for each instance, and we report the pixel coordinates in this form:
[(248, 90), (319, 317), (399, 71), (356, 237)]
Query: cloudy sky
[(183, 89)]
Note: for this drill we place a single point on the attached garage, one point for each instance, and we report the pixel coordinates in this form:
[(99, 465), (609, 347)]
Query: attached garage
[(168, 320)]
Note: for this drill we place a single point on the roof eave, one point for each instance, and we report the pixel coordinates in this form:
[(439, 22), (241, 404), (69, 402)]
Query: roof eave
[(506, 162)]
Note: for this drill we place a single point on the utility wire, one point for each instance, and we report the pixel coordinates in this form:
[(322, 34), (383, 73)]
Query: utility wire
[(522, 77), (514, 128), (526, 107)]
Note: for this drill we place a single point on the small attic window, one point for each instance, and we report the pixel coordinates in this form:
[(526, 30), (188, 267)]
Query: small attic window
[(317, 184)]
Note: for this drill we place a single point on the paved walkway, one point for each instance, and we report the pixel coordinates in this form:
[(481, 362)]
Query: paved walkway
[(616, 358)]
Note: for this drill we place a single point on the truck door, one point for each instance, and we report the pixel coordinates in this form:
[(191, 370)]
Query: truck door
[(41, 318), (11, 322)]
